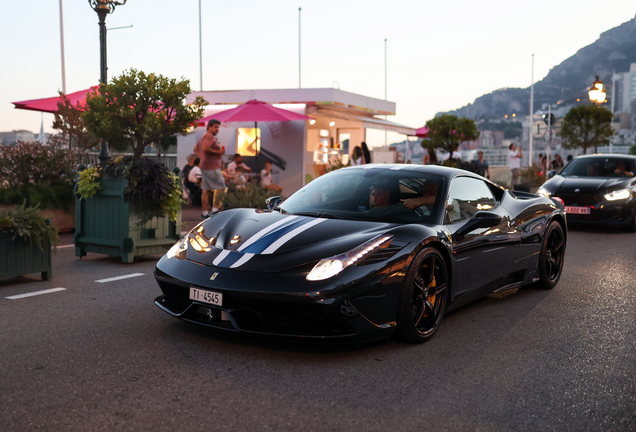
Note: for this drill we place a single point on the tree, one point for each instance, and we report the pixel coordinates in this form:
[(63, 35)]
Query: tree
[(141, 109), (446, 132), (71, 124), (587, 126)]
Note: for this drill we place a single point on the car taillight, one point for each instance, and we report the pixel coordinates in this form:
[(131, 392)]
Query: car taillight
[(559, 200)]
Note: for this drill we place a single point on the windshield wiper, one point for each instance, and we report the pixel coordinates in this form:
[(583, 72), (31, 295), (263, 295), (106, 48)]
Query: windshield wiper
[(316, 214)]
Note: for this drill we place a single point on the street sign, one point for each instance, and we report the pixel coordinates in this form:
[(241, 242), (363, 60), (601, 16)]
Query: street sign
[(549, 119), (538, 129)]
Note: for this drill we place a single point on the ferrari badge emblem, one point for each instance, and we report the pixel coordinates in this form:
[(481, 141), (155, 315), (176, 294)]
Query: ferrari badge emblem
[(214, 276)]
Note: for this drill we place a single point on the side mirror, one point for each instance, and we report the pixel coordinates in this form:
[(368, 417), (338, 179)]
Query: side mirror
[(481, 219), (272, 202), (550, 174)]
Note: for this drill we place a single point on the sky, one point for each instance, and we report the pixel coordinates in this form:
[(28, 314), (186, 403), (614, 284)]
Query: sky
[(441, 55)]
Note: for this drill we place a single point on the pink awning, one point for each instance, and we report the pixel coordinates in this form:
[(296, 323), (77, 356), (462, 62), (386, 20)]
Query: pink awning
[(49, 105), (421, 132)]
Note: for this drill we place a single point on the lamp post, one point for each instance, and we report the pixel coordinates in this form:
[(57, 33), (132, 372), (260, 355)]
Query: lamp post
[(103, 8), (598, 95)]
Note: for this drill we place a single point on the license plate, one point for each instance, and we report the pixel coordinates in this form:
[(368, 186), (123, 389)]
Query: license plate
[(205, 296), (577, 210)]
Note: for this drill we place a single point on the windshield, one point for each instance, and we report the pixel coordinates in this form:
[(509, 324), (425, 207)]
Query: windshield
[(394, 196), (599, 167)]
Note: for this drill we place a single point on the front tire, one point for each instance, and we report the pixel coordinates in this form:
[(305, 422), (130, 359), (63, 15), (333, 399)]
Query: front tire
[(631, 226), (423, 298), (552, 256)]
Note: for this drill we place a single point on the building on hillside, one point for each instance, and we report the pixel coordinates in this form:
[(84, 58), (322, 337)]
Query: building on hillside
[(624, 92), (11, 138)]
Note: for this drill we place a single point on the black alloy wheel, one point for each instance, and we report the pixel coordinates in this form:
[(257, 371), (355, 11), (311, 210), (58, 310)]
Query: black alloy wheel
[(552, 256), (631, 226), (423, 297)]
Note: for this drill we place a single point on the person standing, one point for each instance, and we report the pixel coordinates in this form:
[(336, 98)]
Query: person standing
[(211, 155), (557, 163), (514, 159), (484, 169), (356, 156), (366, 154)]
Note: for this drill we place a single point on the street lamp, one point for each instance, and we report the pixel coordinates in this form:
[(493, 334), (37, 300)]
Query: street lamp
[(103, 8), (597, 94)]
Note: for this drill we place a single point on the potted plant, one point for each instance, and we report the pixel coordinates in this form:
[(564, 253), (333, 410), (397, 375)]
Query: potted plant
[(26, 241), (132, 205), (41, 175)]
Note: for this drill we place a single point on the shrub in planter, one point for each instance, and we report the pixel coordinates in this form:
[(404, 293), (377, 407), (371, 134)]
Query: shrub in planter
[(149, 185), (252, 195), (37, 174), (26, 239)]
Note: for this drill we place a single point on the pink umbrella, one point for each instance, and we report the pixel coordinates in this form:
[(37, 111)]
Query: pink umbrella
[(49, 105), (255, 111)]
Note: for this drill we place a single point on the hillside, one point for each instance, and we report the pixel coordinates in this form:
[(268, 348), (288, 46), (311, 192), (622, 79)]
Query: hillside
[(614, 50)]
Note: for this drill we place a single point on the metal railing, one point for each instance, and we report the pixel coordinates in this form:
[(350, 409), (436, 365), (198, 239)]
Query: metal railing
[(169, 160)]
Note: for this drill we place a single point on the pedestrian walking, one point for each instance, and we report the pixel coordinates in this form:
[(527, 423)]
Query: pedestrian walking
[(211, 155), (514, 160)]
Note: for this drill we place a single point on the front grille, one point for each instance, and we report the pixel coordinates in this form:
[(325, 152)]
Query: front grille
[(289, 321), (578, 199)]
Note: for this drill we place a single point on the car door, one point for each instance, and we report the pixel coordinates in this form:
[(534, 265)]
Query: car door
[(483, 256)]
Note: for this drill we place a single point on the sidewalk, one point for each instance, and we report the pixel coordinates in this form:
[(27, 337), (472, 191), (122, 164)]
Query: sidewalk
[(190, 216)]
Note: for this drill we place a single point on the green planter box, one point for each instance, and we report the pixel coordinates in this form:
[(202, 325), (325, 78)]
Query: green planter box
[(19, 257), (107, 224)]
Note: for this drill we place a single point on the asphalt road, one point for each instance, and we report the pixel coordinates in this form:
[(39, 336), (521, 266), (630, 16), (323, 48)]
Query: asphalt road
[(102, 356)]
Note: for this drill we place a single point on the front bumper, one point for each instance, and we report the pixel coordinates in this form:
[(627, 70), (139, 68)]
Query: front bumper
[(276, 303), (610, 215)]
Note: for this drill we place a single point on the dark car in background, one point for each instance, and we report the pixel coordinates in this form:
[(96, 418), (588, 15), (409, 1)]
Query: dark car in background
[(597, 189), (363, 253)]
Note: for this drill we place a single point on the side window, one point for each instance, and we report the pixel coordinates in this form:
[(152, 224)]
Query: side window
[(466, 197)]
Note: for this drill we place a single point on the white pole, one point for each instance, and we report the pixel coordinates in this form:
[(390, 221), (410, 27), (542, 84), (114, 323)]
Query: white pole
[(62, 44), (530, 158), (299, 9), (385, 93), (200, 50), (613, 95)]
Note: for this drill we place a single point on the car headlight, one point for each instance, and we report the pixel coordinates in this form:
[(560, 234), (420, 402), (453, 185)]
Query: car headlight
[(330, 267), (618, 195), (544, 192), (178, 249)]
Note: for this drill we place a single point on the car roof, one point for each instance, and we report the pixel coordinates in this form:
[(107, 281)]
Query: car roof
[(439, 170), (602, 155)]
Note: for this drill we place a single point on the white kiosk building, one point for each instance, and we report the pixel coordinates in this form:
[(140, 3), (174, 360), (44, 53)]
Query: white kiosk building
[(298, 150)]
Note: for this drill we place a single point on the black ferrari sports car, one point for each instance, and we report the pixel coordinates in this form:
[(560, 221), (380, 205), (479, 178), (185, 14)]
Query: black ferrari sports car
[(597, 189), (365, 253)]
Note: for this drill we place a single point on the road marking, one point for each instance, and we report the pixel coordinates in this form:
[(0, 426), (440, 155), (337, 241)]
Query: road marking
[(66, 246), (31, 294), (132, 275)]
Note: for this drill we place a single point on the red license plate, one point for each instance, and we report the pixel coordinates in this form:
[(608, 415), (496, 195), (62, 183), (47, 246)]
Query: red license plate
[(577, 210)]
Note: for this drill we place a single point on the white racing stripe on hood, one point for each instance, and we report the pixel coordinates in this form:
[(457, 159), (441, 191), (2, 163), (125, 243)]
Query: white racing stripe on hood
[(245, 258), (266, 230), (220, 257), (290, 235)]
